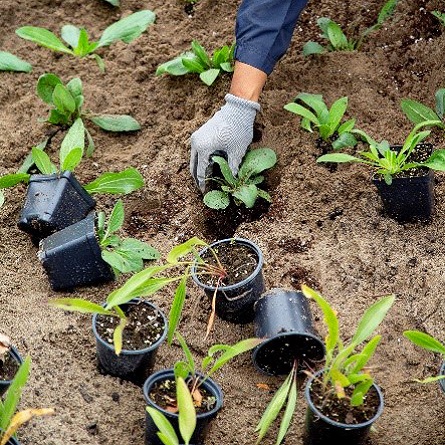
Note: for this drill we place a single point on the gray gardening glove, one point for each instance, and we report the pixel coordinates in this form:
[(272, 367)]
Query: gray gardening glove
[(228, 133)]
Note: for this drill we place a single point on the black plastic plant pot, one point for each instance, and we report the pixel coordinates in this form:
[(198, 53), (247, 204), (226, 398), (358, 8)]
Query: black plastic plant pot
[(442, 382), (14, 354), (321, 430), (408, 199), (11, 441), (132, 365), (283, 317), (52, 203), (203, 420), (235, 302), (72, 257)]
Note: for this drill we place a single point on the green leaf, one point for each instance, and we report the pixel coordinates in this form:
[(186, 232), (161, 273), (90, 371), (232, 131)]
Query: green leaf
[(43, 162), (440, 102), (2, 198), (174, 67), (387, 11), (310, 48), (201, 53), (216, 199), (225, 170), (167, 433), (13, 179), (264, 195), (366, 354), (117, 335), (188, 354), (74, 139), (122, 261), (128, 28), (337, 112), (115, 122), (176, 309), (70, 34), (72, 159), (90, 148), (63, 100), (417, 112), (187, 413), (29, 161), (302, 111), (46, 85), (209, 76), (425, 341), (75, 88), (346, 127), (439, 377), (360, 391), (338, 157), (123, 182), (344, 140), (436, 161), (183, 249), (288, 413), (256, 161), (113, 2), (116, 219), (140, 248), (336, 36), (227, 67), (247, 194), (100, 62), (79, 305), (43, 37), (193, 64), (83, 46), (56, 117), (9, 62)]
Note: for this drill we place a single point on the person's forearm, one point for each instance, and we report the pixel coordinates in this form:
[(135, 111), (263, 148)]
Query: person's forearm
[(247, 81)]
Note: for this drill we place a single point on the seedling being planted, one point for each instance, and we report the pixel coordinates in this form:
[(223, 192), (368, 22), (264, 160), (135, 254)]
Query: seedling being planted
[(316, 116), (66, 102), (199, 61), (78, 41), (243, 188), (337, 39), (10, 62)]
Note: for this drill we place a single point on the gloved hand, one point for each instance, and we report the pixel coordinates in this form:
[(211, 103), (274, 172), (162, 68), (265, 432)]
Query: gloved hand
[(229, 131)]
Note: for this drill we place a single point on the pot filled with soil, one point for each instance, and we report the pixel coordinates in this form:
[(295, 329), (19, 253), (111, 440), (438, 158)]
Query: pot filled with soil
[(234, 294), (52, 203), (144, 332), (332, 420), (9, 365), (283, 317), (72, 257), (160, 393)]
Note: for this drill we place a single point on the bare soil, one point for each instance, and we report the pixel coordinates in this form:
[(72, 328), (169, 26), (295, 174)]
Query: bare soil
[(324, 228)]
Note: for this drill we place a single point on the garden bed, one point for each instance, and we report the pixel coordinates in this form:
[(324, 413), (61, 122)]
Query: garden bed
[(323, 228)]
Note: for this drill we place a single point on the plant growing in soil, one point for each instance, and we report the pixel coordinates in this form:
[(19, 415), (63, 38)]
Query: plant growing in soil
[(338, 41), (326, 121), (78, 40), (429, 343), (10, 62), (440, 16), (243, 188), (199, 61), (417, 112), (10, 420), (387, 162)]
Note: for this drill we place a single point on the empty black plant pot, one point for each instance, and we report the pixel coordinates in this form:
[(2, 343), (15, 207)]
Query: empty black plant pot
[(234, 302), (131, 365), (17, 359), (72, 257), (283, 317), (52, 203), (202, 419), (321, 430)]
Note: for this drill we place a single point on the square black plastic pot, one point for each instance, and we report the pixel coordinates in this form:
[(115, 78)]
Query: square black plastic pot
[(72, 257), (202, 420), (321, 430), (131, 365), (235, 303), (283, 318), (4, 384), (52, 203)]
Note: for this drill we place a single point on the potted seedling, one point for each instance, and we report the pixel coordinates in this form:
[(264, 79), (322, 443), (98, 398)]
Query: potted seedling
[(200, 62), (10, 421), (242, 187), (10, 361), (78, 40), (160, 388), (10, 62), (403, 174), (343, 399), (327, 122), (337, 39), (429, 343), (90, 251)]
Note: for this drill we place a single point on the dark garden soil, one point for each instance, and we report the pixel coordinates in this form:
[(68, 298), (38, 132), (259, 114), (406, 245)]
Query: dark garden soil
[(324, 228), (8, 367)]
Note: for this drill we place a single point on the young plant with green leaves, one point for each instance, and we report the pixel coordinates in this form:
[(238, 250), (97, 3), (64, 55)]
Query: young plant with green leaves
[(429, 343), (10, 62), (243, 188), (66, 102), (10, 419), (417, 112), (316, 116), (77, 41), (337, 39), (387, 162), (346, 374), (198, 61)]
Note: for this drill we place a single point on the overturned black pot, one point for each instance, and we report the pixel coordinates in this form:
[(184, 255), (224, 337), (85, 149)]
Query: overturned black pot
[(202, 419), (235, 302), (52, 203), (14, 355), (321, 430), (131, 365), (72, 257), (283, 317)]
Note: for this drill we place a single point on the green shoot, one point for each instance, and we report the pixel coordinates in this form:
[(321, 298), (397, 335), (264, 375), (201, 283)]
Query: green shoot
[(417, 113), (9, 62)]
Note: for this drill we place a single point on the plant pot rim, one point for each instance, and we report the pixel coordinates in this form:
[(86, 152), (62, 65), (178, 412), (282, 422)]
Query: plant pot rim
[(135, 351), (243, 241), (376, 180), (17, 357), (328, 420), (169, 373)]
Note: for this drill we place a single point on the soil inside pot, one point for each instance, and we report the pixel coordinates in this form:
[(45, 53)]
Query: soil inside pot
[(340, 410), (8, 367), (238, 261), (163, 394), (144, 328)]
